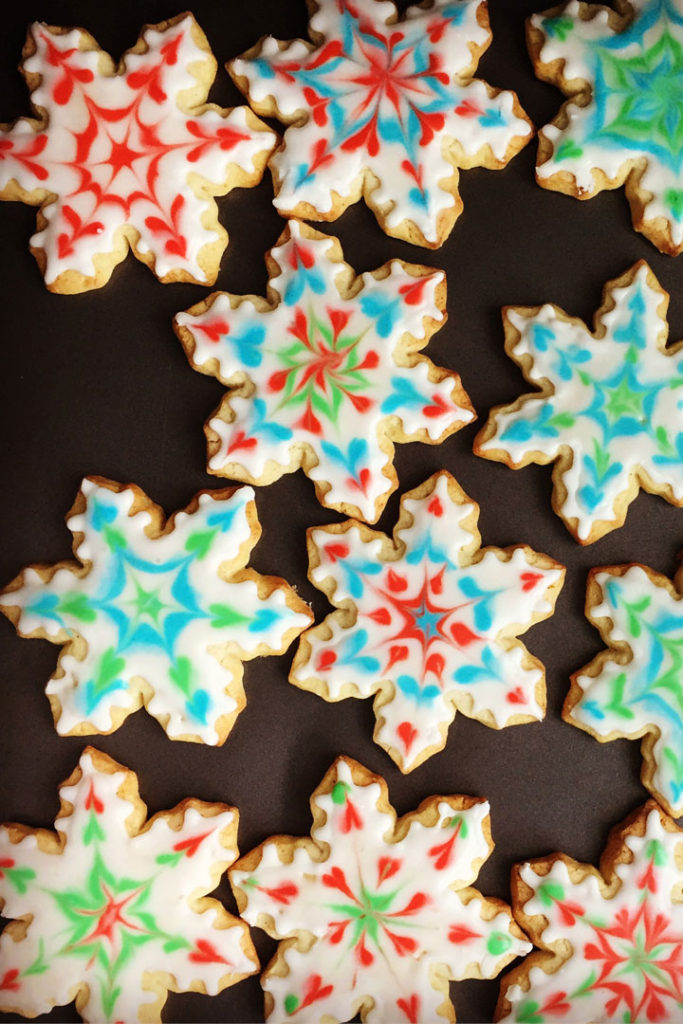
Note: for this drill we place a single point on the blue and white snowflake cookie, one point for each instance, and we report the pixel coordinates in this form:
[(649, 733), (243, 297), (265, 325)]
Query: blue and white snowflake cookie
[(608, 409)]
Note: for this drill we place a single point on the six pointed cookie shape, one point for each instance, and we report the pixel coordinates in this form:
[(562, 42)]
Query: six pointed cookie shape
[(112, 910), (326, 374), (608, 407), (155, 613), (127, 156), (622, 124), (634, 688), (611, 940), (385, 108), (427, 622), (377, 914)]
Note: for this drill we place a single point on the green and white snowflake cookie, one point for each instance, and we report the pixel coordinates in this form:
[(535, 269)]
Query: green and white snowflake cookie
[(634, 688), (377, 914), (608, 409), (155, 613), (623, 121), (112, 910), (611, 940)]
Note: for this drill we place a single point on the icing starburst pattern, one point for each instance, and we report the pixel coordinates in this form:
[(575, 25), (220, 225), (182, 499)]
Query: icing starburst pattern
[(636, 686), (426, 622), (609, 408), (160, 616), (323, 379), (388, 906), (113, 914), (626, 123), (129, 157), (390, 110), (620, 941)]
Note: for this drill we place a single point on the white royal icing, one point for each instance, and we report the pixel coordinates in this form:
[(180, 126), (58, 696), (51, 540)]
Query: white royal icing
[(322, 379), (387, 918), (113, 909), (117, 150), (431, 629), (620, 950), (157, 610), (626, 120), (613, 402), (387, 103)]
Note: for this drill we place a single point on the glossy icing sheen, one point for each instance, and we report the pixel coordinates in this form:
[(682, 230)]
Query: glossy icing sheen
[(117, 149), (614, 404), (432, 628), (625, 950), (635, 77), (645, 693), (323, 379), (382, 101), (114, 907), (157, 615), (384, 916)]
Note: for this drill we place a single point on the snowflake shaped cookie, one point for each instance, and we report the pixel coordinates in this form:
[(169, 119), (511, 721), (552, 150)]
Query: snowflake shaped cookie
[(622, 124), (127, 156), (378, 914), (612, 940), (610, 407), (634, 689), (113, 911), (327, 374), (154, 613), (385, 108), (427, 622)]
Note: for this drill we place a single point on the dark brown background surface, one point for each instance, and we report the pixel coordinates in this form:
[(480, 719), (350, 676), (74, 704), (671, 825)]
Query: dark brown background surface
[(98, 384)]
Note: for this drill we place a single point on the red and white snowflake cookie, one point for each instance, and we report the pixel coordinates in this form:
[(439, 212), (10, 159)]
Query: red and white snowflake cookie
[(112, 911), (127, 156), (377, 914), (611, 940)]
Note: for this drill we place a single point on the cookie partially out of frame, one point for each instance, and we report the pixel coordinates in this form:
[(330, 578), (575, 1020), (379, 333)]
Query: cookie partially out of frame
[(611, 940), (112, 910), (427, 622), (385, 108), (325, 374), (622, 124), (127, 156), (634, 688), (155, 613), (376, 914), (608, 405)]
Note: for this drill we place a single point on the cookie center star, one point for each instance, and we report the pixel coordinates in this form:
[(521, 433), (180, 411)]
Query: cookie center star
[(649, 91), (121, 156), (147, 603)]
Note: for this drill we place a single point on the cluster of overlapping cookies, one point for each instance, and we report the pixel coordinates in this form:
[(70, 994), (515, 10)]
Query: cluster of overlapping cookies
[(326, 373)]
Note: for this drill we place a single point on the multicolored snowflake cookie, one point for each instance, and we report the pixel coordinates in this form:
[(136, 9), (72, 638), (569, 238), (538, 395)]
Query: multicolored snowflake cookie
[(155, 613), (634, 689), (611, 940), (427, 622), (377, 914), (622, 122), (383, 108), (326, 374), (127, 156), (112, 911), (608, 410)]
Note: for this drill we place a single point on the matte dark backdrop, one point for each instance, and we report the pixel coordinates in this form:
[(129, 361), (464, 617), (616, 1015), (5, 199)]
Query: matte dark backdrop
[(98, 383)]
